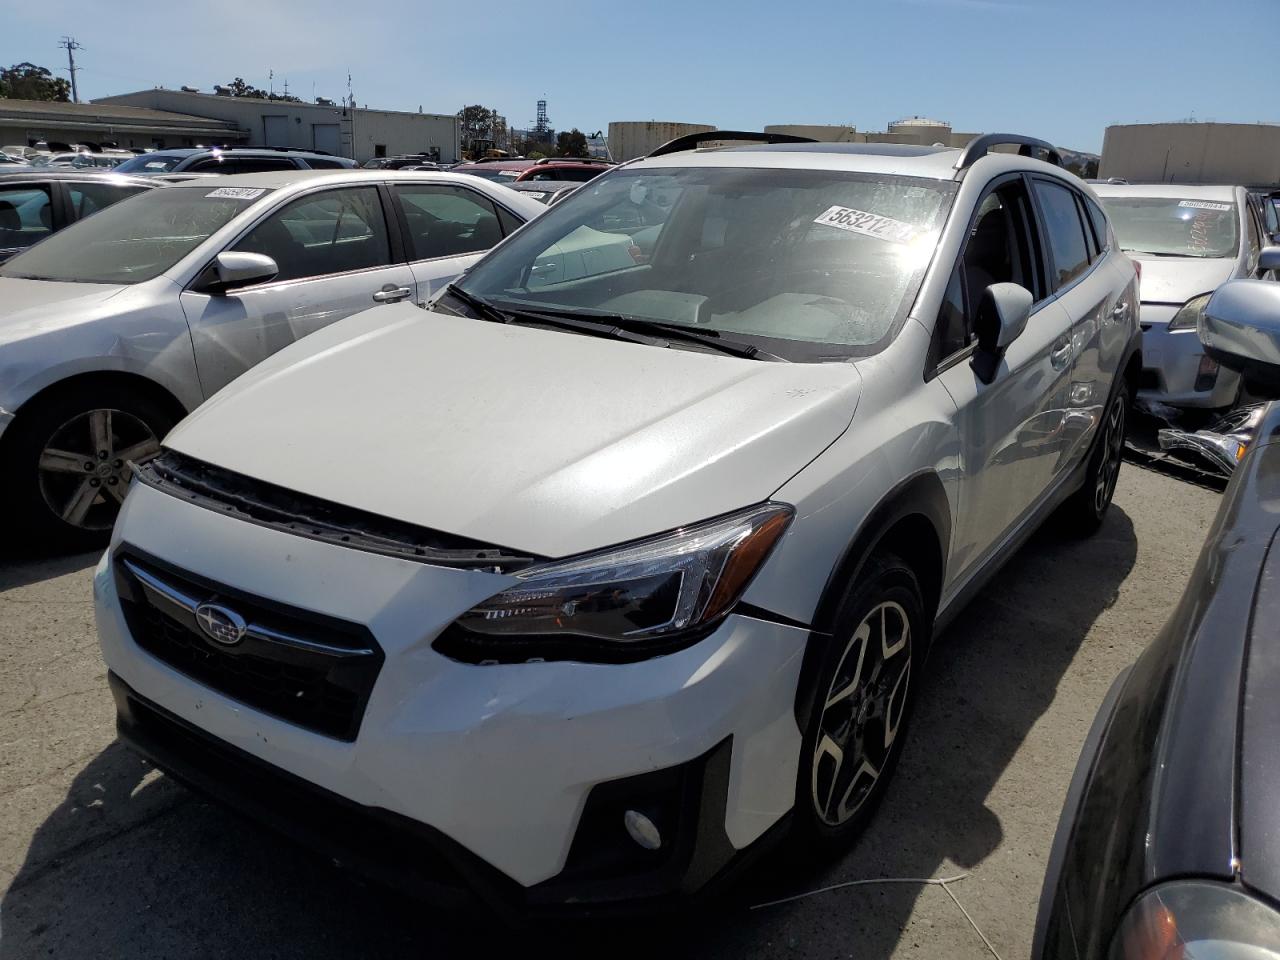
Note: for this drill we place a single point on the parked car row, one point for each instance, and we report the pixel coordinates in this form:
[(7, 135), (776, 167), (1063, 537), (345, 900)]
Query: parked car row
[(578, 572)]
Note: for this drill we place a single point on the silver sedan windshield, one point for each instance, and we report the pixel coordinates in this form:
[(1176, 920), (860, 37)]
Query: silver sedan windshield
[(800, 257), (136, 239)]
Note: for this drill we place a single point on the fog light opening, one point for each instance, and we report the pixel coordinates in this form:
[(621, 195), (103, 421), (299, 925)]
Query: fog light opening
[(642, 830), (1207, 374)]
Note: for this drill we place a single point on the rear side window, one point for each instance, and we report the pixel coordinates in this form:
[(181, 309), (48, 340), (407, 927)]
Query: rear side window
[(1063, 231), (1099, 221), (323, 163), (336, 231), (87, 198), (214, 165), (26, 215), (447, 221)]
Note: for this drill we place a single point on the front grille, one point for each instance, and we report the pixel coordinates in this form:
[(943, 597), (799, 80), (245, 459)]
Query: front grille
[(311, 670)]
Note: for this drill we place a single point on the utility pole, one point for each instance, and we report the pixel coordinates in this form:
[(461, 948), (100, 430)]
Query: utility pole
[(72, 46)]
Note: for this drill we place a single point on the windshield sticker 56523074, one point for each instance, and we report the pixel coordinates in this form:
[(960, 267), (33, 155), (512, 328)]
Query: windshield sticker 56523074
[(867, 224)]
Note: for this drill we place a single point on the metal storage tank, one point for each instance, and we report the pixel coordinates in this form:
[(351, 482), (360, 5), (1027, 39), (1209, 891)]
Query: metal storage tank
[(636, 138), (824, 132), (925, 131), (1241, 153)]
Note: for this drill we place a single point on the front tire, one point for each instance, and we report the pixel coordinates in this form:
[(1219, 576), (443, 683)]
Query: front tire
[(67, 462), (860, 700)]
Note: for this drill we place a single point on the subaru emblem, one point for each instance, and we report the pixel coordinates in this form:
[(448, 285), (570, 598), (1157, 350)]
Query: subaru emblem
[(220, 624)]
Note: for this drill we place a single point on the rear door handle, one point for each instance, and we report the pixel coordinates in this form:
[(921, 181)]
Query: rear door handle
[(1120, 311), (390, 294)]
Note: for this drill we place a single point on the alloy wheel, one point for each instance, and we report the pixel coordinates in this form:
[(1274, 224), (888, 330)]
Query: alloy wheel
[(1112, 454), (84, 467), (862, 713)]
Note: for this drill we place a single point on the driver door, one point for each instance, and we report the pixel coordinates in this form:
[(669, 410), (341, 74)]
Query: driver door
[(1010, 430), (335, 259)]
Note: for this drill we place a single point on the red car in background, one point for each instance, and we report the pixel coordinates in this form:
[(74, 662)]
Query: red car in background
[(549, 168)]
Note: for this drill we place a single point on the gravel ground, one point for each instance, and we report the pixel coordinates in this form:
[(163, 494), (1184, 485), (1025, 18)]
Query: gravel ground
[(101, 856)]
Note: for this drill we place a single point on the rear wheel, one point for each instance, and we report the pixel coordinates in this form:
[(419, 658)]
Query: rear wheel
[(1088, 506), (68, 459), (861, 699)]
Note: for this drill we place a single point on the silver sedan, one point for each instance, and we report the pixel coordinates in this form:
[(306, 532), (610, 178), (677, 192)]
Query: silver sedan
[(115, 328)]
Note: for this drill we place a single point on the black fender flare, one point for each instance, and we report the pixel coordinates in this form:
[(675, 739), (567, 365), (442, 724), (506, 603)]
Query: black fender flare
[(920, 495)]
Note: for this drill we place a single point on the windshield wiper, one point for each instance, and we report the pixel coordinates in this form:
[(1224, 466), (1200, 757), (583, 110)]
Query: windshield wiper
[(659, 331), (483, 309)]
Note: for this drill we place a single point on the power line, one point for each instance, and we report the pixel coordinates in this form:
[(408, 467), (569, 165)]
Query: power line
[(71, 47)]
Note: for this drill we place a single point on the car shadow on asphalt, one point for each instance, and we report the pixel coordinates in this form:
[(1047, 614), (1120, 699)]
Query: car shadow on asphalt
[(131, 865), (23, 563)]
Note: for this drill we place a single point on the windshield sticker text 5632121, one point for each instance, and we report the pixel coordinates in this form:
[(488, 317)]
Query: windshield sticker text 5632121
[(867, 224)]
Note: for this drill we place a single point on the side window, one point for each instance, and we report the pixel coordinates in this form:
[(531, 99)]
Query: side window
[(1255, 241), (336, 231), (1090, 242), (510, 222), (999, 249), (323, 163), (264, 164), (87, 198), (1099, 221), (26, 215), (1064, 232), (445, 221)]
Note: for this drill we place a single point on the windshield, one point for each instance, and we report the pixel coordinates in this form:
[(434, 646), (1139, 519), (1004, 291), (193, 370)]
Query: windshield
[(133, 240), (811, 264), (1167, 226), (150, 163)]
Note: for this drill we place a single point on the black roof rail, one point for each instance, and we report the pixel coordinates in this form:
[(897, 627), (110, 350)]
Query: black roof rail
[(979, 147), (691, 141)]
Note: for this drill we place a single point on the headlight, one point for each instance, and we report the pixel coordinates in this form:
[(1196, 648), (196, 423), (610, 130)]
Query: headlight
[(1193, 919), (626, 602), (1189, 314)]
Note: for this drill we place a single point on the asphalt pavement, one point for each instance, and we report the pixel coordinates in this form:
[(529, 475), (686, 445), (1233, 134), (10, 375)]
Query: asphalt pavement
[(102, 856)]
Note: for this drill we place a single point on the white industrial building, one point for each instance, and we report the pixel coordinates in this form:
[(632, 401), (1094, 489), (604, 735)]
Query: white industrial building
[(359, 133)]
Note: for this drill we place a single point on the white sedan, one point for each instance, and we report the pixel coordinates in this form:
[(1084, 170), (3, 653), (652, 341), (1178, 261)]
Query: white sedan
[(115, 328)]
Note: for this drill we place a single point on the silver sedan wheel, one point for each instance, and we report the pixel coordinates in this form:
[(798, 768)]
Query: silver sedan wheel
[(84, 468), (862, 713), (1112, 454)]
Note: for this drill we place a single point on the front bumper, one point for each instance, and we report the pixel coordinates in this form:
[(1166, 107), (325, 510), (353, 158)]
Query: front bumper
[(1171, 371), (505, 767)]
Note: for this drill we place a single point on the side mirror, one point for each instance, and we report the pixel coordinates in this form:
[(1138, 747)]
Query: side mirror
[(1240, 328), (1002, 316), (1269, 258), (231, 269)]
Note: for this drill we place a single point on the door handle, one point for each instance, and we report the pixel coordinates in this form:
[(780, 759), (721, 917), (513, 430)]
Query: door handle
[(1060, 356), (1120, 311), (391, 294)]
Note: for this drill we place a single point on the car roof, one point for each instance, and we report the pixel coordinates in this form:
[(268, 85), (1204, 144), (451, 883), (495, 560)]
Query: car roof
[(1169, 191), (499, 164), (92, 174)]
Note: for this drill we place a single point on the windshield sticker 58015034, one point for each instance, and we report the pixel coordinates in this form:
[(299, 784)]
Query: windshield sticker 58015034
[(867, 224)]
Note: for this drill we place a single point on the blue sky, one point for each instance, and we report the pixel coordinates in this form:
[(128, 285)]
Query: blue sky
[(1050, 68)]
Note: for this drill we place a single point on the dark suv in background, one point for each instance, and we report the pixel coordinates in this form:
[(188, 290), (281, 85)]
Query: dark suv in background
[(231, 160)]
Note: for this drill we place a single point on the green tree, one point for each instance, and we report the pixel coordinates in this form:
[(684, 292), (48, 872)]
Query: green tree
[(572, 143), (26, 81), (476, 122)]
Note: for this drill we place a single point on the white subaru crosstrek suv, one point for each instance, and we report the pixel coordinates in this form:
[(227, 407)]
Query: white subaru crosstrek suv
[(574, 591)]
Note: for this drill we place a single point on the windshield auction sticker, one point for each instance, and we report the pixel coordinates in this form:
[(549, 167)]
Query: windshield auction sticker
[(236, 193), (1204, 205), (867, 224)]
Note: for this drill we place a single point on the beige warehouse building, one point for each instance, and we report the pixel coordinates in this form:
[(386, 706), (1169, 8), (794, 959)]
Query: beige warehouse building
[(1236, 153), (359, 133)]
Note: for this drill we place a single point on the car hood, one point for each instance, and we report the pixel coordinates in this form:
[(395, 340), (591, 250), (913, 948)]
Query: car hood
[(542, 441), (25, 304), (1178, 279)]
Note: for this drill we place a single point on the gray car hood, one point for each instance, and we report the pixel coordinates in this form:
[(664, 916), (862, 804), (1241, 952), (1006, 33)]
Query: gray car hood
[(27, 303), (1178, 279), (537, 440)]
